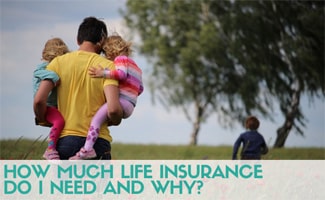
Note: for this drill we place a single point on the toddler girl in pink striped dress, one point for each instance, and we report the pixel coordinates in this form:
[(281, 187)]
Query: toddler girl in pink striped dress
[(129, 76)]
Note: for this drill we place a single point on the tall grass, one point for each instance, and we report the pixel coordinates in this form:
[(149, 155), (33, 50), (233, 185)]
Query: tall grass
[(22, 149)]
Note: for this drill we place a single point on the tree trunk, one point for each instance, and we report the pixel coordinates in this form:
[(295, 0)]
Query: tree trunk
[(197, 124), (284, 130), (283, 133), (195, 133)]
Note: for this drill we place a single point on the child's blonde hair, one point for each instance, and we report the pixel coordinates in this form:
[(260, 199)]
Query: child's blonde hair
[(54, 47), (115, 46)]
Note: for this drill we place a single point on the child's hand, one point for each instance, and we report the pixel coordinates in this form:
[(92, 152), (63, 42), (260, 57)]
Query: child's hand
[(96, 72)]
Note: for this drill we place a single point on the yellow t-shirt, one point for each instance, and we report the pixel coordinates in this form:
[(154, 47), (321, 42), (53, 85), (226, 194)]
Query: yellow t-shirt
[(79, 95)]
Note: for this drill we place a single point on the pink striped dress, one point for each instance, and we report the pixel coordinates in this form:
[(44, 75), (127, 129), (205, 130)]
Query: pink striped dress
[(129, 76)]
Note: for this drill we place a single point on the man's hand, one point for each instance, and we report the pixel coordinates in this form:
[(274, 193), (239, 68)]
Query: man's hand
[(46, 123), (114, 109)]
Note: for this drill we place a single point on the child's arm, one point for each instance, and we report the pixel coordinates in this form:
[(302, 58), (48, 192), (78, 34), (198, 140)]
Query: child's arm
[(264, 148), (235, 148), (120, 72)]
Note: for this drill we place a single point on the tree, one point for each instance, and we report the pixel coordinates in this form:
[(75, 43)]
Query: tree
[(230, 57), (289, 39)]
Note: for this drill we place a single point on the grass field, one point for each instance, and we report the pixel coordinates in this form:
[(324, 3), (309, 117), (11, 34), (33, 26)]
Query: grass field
[(33, 150)]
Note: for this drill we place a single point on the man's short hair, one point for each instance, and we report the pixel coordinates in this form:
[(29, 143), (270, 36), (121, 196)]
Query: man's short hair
[(92, 30)]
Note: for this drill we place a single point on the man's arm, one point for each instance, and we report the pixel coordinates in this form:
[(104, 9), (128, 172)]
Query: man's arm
[(40, 99), (114, 109)]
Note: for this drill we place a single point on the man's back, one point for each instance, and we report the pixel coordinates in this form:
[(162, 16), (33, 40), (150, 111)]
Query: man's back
[(79, 95)]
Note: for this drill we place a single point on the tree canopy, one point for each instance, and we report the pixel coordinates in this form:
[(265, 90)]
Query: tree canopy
[(232, 57)]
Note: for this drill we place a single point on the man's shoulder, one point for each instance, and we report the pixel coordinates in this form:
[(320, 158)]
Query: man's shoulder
[(94, 57), (100, 60)]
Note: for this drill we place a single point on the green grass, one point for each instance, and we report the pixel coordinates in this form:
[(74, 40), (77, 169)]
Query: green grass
[(33, 150)]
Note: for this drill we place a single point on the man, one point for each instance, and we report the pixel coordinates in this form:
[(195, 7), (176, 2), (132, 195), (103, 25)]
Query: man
[(79, 95)]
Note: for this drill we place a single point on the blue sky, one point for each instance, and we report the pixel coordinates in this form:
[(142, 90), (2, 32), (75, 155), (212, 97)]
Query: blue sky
[(25, 27)]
